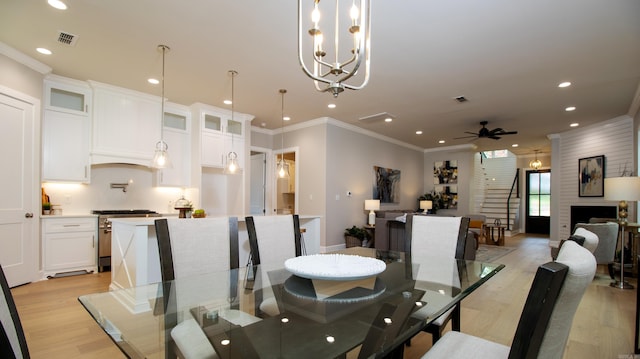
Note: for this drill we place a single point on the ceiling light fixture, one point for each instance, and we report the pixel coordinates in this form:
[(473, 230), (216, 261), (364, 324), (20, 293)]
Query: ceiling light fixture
[(341, 70), (57, 4), (564, 84), (283, 167), (536, 164), (44, 51), (232, 157), (161, 155), (575, 124), (570, 108), (418, 132)]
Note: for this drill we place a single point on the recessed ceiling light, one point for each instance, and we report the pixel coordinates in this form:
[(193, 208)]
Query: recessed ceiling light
[(570, 108), (58, 4), (153, 81), (286, 118), (331, 105), (514, 145), (388, 119), (418, 132), (564, 84), (441, 141), (44, 51), (575, 124), (227, 102)]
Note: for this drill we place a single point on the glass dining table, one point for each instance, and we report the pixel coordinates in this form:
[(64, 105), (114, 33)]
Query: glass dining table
[(368, 317)]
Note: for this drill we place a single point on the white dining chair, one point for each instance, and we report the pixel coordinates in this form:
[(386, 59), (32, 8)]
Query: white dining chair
[(430, 240), (547, 316), (196, 247), (273, 240)]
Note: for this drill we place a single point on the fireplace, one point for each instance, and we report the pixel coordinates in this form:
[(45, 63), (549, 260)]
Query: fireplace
[(581, 214)]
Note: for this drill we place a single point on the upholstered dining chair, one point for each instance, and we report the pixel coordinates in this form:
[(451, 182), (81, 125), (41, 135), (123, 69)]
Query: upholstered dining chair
[(191, 247), (13, 343), (437, 238), (273, 239), (547, 316)]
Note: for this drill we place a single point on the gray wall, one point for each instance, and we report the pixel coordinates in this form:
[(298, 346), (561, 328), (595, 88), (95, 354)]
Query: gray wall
[(21, 78)]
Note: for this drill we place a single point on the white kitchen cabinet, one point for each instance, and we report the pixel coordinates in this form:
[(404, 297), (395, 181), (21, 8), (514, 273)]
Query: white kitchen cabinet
[(220, 134), (66, 131), (177, 135), (69, 244), (67, 95), (126, 125)]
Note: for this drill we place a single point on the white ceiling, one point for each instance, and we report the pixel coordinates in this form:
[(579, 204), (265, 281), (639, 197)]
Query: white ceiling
[(506, 57)]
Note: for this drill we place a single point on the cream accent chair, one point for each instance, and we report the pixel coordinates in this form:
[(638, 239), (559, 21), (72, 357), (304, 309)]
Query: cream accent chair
[(546, 319), (429, 240), (190, 248), (273, 239), (607, 240)]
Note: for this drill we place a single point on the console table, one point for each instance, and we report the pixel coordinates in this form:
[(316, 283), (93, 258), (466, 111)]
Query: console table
[(489, 234)]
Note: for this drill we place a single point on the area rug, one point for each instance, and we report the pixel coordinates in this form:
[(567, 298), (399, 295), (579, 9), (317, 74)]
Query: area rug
[(489, 253)]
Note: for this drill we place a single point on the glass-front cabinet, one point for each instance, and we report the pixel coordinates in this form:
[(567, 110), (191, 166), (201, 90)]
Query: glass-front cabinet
[(66, 116), (220, 135)]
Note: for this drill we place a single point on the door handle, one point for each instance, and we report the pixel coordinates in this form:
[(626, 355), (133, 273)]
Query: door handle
[(28, 215)]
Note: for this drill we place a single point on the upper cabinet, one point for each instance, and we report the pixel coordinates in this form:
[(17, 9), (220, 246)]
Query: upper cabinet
[(66, 130), (126, 125), (221, 133), (177, 135), (67, 95)]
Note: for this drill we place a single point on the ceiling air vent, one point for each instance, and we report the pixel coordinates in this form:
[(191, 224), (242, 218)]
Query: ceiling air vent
[(67, 38), (460, 99), (378, 117)]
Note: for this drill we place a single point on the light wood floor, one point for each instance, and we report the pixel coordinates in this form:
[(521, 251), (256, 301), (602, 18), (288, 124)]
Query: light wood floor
[(57, 326)]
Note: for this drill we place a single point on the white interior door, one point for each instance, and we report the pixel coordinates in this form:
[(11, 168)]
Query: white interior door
[(18, 184)]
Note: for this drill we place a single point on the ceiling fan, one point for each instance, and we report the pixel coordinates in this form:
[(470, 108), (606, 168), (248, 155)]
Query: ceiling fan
[(487, 133)]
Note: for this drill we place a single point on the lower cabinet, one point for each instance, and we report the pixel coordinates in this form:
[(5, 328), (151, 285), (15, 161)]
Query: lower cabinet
[(69, 244)]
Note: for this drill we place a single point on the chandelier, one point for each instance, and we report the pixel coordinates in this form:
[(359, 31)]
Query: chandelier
[(161, 155), (355, 49), (535, 164)]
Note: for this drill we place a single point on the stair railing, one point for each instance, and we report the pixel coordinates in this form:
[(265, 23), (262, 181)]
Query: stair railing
[(516, 180)]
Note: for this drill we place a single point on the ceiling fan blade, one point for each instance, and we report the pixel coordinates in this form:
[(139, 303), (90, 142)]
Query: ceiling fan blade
[(493, 137), (458, 138), (507, 133), (496, 130), (471, 133)]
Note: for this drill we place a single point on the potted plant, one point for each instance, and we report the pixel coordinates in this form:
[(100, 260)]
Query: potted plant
[(356, 237), (46, 208), (199, 213)]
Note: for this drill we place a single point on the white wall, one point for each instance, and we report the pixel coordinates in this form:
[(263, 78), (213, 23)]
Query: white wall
[(614, 139)]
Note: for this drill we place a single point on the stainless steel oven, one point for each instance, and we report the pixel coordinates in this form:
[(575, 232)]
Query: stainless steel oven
[(104, 231)]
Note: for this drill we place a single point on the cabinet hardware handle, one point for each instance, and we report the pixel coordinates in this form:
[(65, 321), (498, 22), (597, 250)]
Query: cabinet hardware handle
[(71, 225)]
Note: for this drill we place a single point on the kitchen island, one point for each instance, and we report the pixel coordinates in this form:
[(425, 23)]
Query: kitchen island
[(135, 260)]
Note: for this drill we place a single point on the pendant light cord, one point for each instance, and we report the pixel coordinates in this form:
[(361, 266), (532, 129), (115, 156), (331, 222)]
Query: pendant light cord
[(282, 91)]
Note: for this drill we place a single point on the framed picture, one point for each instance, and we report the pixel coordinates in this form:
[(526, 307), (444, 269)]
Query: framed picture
[(445, 172), (386, 184), (591, 176)]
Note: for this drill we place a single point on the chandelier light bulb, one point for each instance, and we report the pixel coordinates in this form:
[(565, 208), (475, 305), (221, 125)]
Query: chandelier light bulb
[(315, 16), (355, 14)]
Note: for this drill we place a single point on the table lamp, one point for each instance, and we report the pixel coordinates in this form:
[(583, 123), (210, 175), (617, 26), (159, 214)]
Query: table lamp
[(372, 205), (622, 189), (426, 206)]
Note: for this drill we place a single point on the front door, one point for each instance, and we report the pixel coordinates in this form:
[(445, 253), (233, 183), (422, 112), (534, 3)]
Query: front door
[(538, 202), (19, 209)]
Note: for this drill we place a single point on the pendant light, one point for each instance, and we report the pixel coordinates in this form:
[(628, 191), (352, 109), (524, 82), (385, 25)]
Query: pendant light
[(535, 164), (283, 167), (161, 155), (232, 157)]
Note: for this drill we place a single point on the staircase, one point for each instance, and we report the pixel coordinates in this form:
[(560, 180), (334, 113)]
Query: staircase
[(495, 207)]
